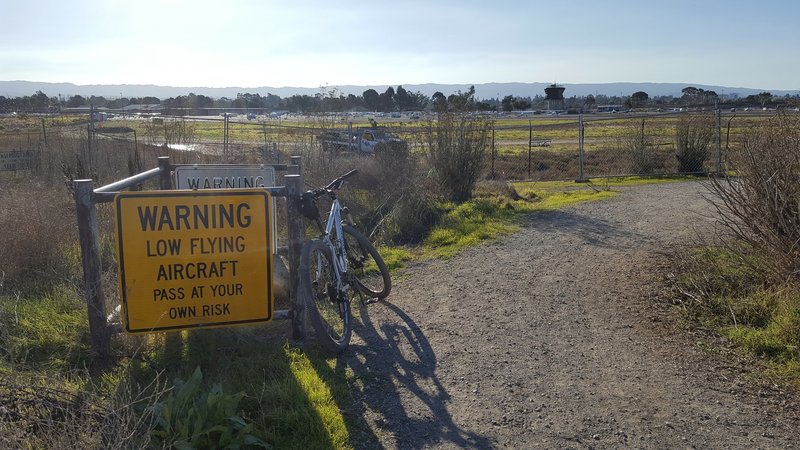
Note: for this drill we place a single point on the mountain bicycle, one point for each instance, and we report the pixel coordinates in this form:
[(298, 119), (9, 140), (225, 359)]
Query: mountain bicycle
[(337, 268)]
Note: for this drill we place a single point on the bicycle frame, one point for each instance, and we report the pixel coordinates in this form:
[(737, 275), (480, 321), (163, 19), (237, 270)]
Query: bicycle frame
[(336, 245)]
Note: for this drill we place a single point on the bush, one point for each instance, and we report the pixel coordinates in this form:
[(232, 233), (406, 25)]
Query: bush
[(458, 144), (761, 204), (414, 214), (38, 225), (693, 135), (641, 149)]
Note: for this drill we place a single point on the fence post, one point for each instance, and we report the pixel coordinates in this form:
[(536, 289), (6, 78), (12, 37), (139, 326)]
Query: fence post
[(225, 137), (44, 133), (580, 149), (90, 257), (164, 177), (530, 144), (493, 128), (297, 237)]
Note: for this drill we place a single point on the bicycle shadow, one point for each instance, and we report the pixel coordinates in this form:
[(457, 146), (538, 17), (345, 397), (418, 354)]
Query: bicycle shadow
[(402, 395)]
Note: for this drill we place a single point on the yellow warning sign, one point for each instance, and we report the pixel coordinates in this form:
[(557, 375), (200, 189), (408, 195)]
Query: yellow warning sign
[(194, 258)]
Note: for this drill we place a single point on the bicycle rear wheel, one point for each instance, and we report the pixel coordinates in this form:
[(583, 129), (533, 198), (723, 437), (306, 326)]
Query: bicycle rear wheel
[(365, 264), (329, 309)]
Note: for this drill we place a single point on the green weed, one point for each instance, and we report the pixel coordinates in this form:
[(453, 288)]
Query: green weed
[(191, 417), (494, 214), (395, 257), (727, 291)]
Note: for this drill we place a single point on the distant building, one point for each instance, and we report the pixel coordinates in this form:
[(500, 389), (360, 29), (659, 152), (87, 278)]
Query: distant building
[(610, 108), (145, 108), (554, 95)]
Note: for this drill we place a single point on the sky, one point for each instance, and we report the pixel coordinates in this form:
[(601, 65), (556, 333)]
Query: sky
[(253, 43)]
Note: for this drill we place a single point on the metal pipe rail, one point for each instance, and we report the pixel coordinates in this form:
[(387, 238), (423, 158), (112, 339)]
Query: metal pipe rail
[(102, 325)]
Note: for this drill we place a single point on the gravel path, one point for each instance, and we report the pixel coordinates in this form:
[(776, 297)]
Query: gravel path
[(553, 338)]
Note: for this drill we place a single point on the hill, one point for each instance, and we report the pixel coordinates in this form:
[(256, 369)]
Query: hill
[(20, 88)]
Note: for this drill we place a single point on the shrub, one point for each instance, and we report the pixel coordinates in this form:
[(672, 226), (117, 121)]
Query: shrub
[(641, 149), (693, 135), (412, 216), (761, 204), (458, 144)]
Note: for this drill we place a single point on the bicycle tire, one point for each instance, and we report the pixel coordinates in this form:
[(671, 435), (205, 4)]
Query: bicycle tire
[(329, 315), (365, 264)]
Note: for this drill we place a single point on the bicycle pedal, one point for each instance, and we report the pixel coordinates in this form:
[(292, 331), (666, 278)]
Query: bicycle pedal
[(370, 301)]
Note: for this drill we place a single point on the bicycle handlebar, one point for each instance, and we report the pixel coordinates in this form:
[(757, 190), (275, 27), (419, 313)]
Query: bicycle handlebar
[(332, 186), (337, 183)]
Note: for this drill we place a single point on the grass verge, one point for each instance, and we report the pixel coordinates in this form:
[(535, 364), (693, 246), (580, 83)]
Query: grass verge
[(498, 209), (252, 387), (726, 292)]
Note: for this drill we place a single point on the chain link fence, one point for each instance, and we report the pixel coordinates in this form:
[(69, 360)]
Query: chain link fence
[(625, 145), (524, 148)]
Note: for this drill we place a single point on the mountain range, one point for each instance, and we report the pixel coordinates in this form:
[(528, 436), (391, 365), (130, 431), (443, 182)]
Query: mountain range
[(20, 88)]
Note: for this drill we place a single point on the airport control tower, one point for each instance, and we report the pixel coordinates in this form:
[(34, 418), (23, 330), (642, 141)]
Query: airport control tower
[(554, 94)]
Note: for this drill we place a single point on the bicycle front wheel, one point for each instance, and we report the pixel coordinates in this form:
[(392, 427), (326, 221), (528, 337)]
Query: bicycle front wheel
[(365, 264), (329, 309)]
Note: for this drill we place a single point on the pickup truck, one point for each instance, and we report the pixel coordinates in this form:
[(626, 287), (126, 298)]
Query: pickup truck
[(364, 140)]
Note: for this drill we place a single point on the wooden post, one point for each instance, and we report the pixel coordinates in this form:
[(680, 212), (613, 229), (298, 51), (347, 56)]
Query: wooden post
[(581, 178), (493, 127), (90, 256), (297, 237), (44, 133), (164, 177)]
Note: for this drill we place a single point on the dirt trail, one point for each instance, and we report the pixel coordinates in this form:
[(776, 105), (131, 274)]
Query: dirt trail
[(552, 338)]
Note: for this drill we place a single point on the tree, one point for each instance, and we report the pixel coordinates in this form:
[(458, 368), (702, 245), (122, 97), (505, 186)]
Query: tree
[(371, 99), (75, 101), (639, 99), (521, 104), (419, 101), (203, 101), (508, 103), (764, 98), (40, 101), (462, 101), (402, 99), (387, 100), (439, 102), (696, 96), (589, 101)]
